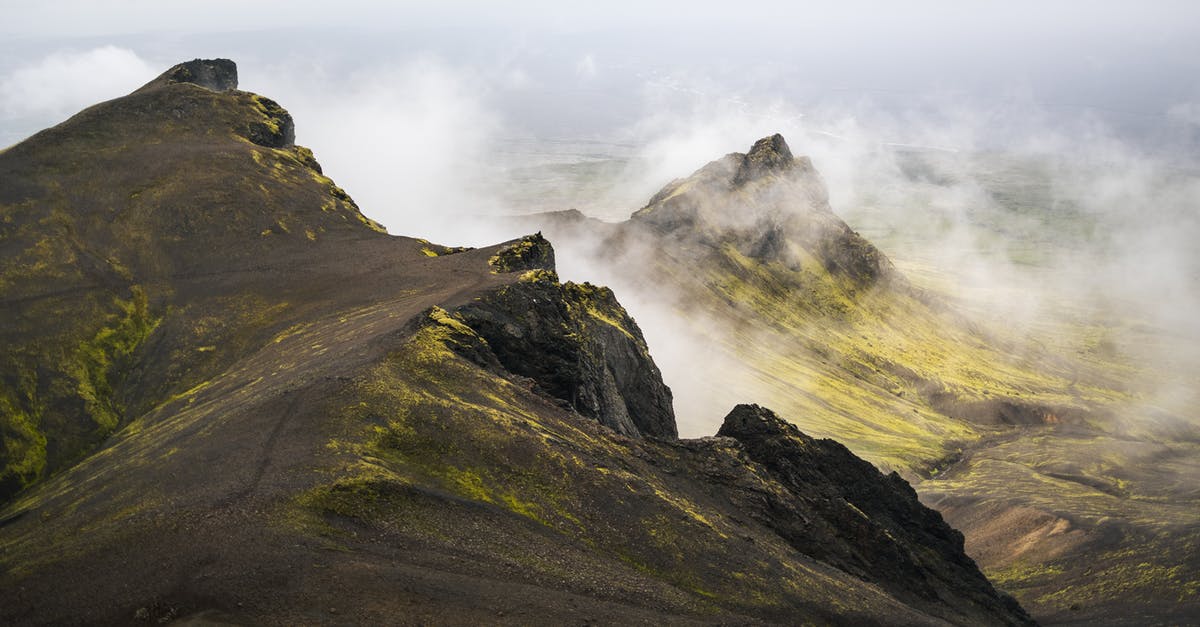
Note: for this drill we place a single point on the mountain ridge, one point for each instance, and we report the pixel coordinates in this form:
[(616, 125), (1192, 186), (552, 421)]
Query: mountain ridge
[(266, 429)]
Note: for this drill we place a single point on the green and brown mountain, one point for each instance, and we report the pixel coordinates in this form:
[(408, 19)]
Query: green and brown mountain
[(228, 396), (1073, 492)]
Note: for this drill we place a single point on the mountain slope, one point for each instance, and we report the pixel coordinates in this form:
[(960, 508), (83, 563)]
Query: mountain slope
[(102, 235), (1081, 514), (819, 318), (230, 397)]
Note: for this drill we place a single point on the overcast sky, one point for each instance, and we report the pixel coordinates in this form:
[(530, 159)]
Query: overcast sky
[(560, 69)]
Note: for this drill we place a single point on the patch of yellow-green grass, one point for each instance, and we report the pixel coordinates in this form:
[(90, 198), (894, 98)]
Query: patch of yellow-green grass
[(24, 442), (867, 365), (1127, 580), (99, 362), (1024, 573), (598, 303)]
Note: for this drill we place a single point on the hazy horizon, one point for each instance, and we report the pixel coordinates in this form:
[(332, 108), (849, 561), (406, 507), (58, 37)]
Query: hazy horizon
[(580, 72)]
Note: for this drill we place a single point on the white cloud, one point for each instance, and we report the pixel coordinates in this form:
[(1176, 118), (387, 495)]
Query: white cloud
[(64, 82), (409, 140), (1187, 113), (586, 67)]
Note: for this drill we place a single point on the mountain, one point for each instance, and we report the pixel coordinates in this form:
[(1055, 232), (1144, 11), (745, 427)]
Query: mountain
[(228, 396), (747, 201), (1071, 492), (751, 241)]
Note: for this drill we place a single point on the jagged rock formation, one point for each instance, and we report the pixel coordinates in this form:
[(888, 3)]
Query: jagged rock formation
[(877, 518), (768, 204), (767, 156), (529, 253), (214, 74), (575, 341), (227, 396)]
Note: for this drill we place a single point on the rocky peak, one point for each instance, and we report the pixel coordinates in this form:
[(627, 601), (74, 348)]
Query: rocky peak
[(575, 342), (214, 74), (843, 511), (532, 252), (753, 422), (769, 205), (768, 155), (270, 125)]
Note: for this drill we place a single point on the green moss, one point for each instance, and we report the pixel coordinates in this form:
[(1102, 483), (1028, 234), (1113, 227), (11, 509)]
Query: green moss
[(24, 443), (860, 364), (531, 252), (538, 276), (83, 378), (271, 112), (43, 260), (1023, 573), (1143, 580), (98, 365), (599, 304), (349, 207), (305, 157), (430, 249)]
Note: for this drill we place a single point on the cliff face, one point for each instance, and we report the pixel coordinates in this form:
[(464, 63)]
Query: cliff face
[(575, 342), (883, 533), (228, 396)]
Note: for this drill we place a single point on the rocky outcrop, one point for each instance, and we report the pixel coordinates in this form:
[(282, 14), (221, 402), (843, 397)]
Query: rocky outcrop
[(532, 252), (769, 155), (575, 341), (214, 74), (843, 511), (276, 129), (768, 204)]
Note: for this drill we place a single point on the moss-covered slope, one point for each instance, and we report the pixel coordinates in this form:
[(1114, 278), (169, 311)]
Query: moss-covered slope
[(803, 314), (825, 325), (230, 397), (118, 218)]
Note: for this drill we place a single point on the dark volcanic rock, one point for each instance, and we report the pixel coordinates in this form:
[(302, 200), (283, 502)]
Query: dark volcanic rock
[(214, 74), (277, 130), (579, 345), (851, 516), (532, 252), (768, 155)]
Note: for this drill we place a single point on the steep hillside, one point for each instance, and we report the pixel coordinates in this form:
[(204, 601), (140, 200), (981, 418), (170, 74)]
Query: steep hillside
[(1026, 449), (230, 397), (157, 211), (821, 318)]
